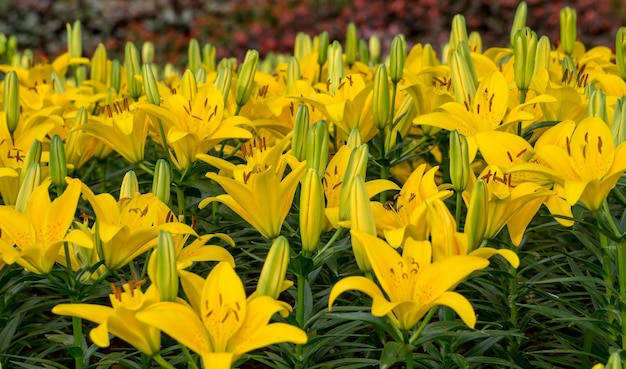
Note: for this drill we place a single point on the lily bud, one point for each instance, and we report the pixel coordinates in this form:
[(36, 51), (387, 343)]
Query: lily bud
[(130, 186), (459, 161), (519, 21), (317, 146), (73, 142), (354, 140), (300, 130), (618, 128), (568, 29), (381, 102), (166, 272), (570, 72), (335, 66), (74, 40), (245, 78), (147, 52), (352, 39), (274, 269), (11, 103), (223, 81), (476, 221), (620, 52), (475, 42), (162, 180), (150, 85), (32, 180), (362, 220), (542, 55), (132, 67), (397, 57), (188, 84), (597, 104), (33, 156), (293, 73), (322, 48), (116, 76), (208, 57), (357, 165), (364, 53), (193, 54), (3, 44), (303, 45), (458, 32), (374, 45), (462, 81), (58, 163), (311, 210), (524, 51), (99, 72), (615, 361)]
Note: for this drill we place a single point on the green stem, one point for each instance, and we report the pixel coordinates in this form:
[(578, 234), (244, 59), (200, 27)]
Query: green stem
[(394, 92), (513, 297), (522, 99), (457, 211), (330, 242), (77, 331), (145, 168), (420, 329), (238, 110), (180, 198), (162, 362), (621, 266), (384, 174), (190, 360), (300, 360)]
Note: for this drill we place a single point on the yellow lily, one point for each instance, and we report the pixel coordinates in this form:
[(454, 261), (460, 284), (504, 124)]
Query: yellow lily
[(133, 222), (410, 284), (121, 318), (195, 125), (406, 219), (487, 112), (224, 326), (35, 237), (124, 128), (582, 158), (262, 199)]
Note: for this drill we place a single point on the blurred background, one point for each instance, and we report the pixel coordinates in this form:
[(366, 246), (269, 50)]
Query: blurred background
[(271, 25)]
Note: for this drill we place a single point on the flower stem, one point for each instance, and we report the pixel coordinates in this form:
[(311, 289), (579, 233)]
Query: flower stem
[(420, 329), (457, 212), (162, 362), (621, 266), (329, 243), (300, 319)]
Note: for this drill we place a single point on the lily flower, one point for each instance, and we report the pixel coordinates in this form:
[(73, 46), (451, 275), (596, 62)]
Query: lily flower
[(225, 325), (120, 318), (410, 284), (262, 199), (582, 158), (34, 238)]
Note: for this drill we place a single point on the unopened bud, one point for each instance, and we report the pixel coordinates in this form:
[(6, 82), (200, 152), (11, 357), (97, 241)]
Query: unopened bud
[(147, 52), (293, 73), (166, 271), (597, 104), (357, 165), (397, 57), (317, 146), (335, 66), (462, 80), (208, 57), (274, 269), (11, 102), (303, 45), (519, 21), (618, 128), (150, 85), (476, 220), (362, 220), (129, 186), (58, 163), (194, 55), (74, 40), (99, 72), (300, 130), (162, 180), (188, 84), (620, 52), (374, 46), (116, 76), (32, 180), (458, 32), (459, 161), (33, 156), (381, 102), (311, 210), (354, 140), (542, 55), (364, 52), (223, 81), (568, 29), (475, 42), (57, 83), (132, 67), (322, 47), (524, 51), (245, 78), (352, 39)]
